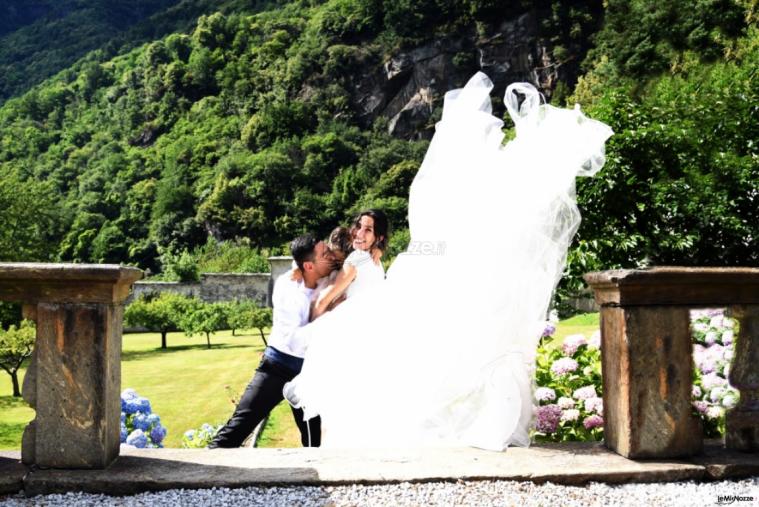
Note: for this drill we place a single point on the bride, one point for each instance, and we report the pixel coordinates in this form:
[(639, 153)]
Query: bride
[(442, 352)]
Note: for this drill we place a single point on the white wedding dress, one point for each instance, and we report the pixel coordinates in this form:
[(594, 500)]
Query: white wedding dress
[(442, 352)]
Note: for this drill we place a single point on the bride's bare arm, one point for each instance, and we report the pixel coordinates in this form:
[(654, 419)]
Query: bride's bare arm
[(329, 294)]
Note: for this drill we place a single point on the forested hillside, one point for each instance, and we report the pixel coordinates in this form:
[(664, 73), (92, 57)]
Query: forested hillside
[(261, 121)]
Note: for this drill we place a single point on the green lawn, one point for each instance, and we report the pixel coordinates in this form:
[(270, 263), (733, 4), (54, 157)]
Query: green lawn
[(188, 385)]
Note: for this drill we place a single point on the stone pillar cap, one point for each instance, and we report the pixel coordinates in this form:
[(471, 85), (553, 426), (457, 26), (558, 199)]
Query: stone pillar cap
[(673, 285), (32, 282)]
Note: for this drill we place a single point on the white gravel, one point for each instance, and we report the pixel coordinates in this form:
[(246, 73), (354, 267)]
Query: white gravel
[(470, 493)]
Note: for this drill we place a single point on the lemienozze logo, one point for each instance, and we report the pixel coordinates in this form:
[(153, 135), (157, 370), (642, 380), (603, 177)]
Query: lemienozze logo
[(728, 499)]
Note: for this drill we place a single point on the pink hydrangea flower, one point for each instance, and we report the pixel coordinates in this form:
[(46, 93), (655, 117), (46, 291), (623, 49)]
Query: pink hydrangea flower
[(701, 406), (717, 393), (563, 366), (548, 330), (715, 412), (545, 394), (701, 327), (696, 392), (571, 414), (572, 343), (727, 337), (710, 338), (595, 405), (566, 403), (730, 400), (716, 321), (593, 421), (548, 417), (594, 341), (712, 380), (584, 393)]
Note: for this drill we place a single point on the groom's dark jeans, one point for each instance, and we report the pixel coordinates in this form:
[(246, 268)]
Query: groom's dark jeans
[(264, 393)]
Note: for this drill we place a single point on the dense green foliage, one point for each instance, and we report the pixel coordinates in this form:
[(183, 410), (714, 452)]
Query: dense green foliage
[(42, 37), (244, 130), (680, 183)]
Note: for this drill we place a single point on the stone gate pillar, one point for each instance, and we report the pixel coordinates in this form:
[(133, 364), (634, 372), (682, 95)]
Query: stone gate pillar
[(74, 378)]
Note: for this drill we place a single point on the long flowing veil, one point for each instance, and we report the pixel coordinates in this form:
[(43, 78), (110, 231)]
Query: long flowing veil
[(443, 352)]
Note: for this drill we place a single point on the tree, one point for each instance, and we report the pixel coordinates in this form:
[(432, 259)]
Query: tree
[(16, 346), (239, 314), (161, 315), (205, 318), (30, 219), (262, 318)]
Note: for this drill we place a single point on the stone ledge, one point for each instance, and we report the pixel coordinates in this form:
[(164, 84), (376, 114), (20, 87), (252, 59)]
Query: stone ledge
[(12, 473), (569, 464)]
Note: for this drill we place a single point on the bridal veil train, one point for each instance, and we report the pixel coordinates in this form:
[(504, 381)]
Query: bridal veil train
[(443, 352)]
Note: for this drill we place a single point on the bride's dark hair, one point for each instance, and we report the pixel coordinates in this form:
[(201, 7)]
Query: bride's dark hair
[(380, 227)]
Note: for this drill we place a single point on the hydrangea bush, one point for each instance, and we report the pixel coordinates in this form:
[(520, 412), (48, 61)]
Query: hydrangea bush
[(714, 335), (140, 427), (568, 375), (569, 405)]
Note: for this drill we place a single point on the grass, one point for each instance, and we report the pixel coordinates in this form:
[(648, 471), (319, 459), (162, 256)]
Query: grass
[(189, 385)]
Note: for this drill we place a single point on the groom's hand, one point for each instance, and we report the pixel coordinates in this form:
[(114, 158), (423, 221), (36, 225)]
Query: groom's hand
[(296, 275)]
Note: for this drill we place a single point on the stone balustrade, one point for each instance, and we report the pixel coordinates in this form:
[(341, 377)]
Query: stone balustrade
[(647, 357), (74, 378)]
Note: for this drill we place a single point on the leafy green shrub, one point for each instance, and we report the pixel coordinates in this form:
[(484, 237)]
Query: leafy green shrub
[(180, 267)]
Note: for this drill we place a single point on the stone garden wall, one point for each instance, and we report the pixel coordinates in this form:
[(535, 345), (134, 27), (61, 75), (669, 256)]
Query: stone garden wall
[(213, 287)]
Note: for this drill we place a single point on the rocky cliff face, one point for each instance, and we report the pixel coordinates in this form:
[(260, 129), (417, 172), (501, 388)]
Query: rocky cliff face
[(408, 88)]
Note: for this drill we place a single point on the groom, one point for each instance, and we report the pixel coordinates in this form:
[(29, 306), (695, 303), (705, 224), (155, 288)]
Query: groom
[(283, 358)]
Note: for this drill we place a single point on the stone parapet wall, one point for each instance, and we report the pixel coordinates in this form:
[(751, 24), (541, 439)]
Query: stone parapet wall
[(189, 289), (216, 287)]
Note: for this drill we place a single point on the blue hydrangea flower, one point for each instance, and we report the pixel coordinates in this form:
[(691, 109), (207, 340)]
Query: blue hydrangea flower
[(157, 435), (124, 433), (154, 420), (143, 405), (123, 417), (129, 394), (140, 422), (189, 434), (138, 404), (138, 439)]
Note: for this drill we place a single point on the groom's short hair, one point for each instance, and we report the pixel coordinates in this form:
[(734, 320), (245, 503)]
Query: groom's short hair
[(303, 249)]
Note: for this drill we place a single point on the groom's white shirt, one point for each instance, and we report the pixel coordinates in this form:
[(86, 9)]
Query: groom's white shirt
[(292, 303)]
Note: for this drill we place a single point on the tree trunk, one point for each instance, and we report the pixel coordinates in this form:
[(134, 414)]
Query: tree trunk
[(14, 380), (233, 331), (208, 339), (263, 337), (163, 339)]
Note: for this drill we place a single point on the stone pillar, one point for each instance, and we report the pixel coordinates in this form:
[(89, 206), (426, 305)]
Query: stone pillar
[(646, 382), (743, 420), (76, 386), (74, 378)]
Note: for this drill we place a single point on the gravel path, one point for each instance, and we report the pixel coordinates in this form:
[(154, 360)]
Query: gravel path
[(474, 493)]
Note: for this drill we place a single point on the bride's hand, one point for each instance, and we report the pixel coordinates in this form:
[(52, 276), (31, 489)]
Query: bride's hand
[(296, 275), (376, 255)]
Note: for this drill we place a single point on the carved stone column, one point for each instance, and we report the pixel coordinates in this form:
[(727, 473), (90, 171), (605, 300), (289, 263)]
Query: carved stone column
[(743, 420), (74, 379)]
